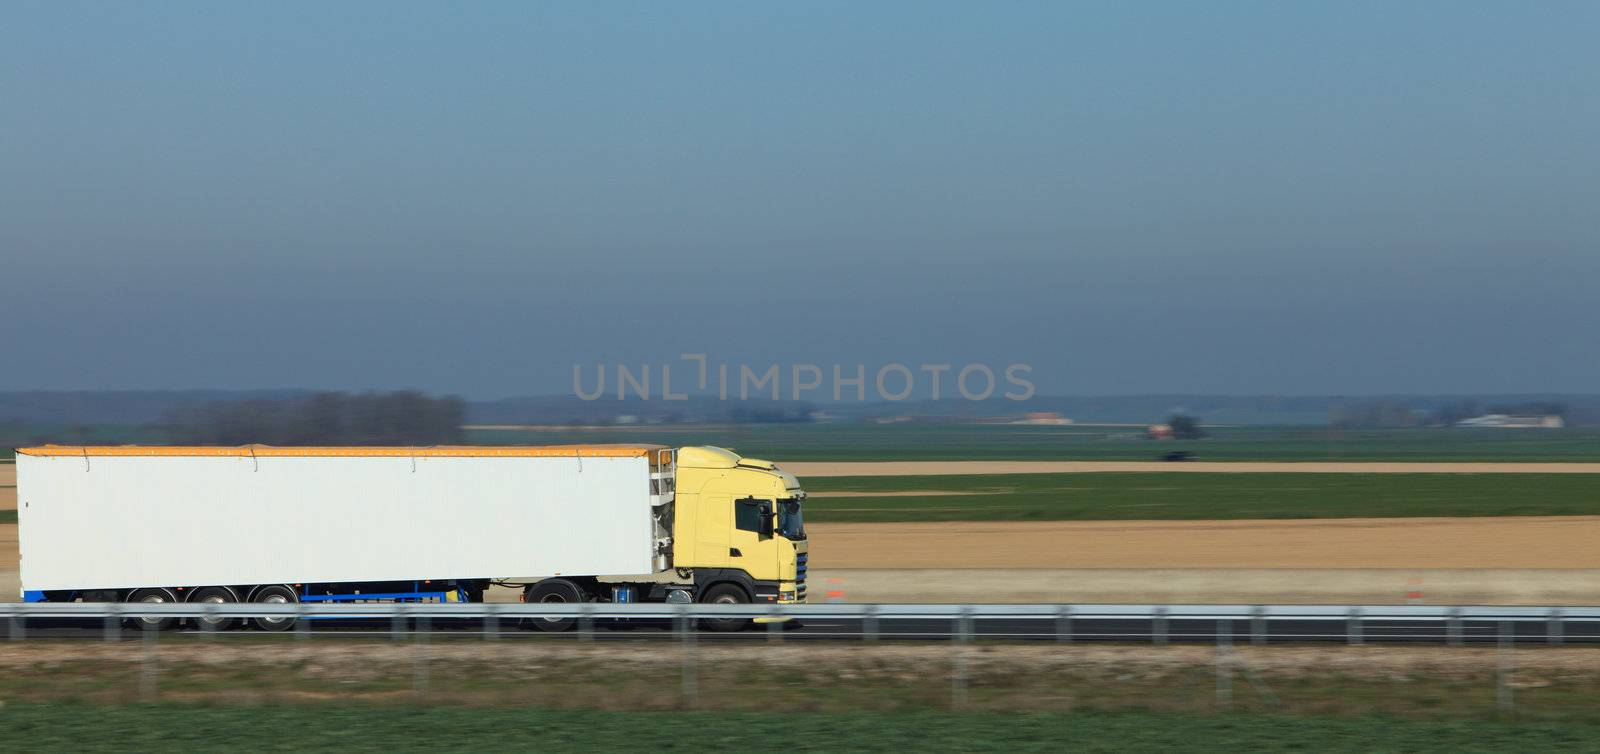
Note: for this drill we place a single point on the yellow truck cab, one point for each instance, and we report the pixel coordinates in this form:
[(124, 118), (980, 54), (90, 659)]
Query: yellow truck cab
[(739, 520)]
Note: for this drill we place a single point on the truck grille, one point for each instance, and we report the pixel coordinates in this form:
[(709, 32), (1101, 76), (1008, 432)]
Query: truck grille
[(800, 577)]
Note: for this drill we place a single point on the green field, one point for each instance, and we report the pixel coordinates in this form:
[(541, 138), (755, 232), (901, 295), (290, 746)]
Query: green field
[(911, 442), (1121, 496), (67, 727)]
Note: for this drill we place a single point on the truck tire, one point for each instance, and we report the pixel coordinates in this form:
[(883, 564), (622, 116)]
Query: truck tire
[(274, 594), (553, 591), (725, 594), (157, 595), (216, 595)]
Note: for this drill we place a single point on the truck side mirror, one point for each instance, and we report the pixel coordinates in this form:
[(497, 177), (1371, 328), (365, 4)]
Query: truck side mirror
[(767, 518)]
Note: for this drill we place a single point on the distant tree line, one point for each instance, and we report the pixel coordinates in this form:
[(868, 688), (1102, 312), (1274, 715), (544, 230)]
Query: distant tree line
[(771, 412), (1375, 414), (398, 418)]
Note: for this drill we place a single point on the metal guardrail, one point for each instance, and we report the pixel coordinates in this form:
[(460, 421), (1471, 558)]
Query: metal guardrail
[(1359, 621), (810, 610)]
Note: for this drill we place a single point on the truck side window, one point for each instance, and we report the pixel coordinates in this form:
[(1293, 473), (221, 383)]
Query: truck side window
[(747, 514)]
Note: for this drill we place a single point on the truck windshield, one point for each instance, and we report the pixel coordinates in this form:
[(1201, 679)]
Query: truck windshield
[(790, 525)]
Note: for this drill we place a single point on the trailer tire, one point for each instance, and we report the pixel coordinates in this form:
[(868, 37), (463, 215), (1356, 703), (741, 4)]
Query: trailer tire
[(277, 594), (157, 595), (216, 595), (725, 594), (552, 591)]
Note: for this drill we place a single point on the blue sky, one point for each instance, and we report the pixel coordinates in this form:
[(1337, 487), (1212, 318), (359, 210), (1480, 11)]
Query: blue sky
[(1225, 197)]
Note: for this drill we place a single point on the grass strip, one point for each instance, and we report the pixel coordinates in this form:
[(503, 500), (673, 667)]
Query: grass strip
[(1183, 496), (31, 727)]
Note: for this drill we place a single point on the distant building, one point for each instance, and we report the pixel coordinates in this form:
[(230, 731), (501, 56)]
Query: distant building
[(1520, 422), (888, 419), (1159, 432), (1046, 418)]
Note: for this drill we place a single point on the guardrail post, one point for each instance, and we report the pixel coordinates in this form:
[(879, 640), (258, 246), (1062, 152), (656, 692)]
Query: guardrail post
[(1452, 628), (1224, 663), (1064, 623), (491, 621), (147, 668), (585, 621), (691, 681), (958, 678), (419, 651), (1352, 626), (113, 621), (869, 623), (1158, 626), (1258, 625), (208, 621), (775, 626), (19, 622), (1553, 627), (302, 622), (397, 622), (1502, 676)]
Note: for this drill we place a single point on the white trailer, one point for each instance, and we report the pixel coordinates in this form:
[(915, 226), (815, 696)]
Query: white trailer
[(266, 524)]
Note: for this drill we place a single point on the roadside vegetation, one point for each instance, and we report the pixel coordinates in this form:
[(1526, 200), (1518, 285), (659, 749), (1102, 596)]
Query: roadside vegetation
[(1132, 496), (365, 694), (32, 727)]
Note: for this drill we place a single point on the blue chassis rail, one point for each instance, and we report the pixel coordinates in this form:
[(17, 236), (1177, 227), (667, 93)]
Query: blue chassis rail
[(304, 594)]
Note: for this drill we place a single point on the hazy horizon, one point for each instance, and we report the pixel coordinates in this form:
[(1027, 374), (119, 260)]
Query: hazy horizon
[(1242, 199)]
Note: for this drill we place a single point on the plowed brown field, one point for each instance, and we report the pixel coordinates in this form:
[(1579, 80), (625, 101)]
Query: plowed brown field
[(1521, 542)]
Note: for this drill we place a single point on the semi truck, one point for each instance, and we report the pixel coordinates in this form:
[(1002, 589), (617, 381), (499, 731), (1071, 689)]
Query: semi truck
[(570, 523)]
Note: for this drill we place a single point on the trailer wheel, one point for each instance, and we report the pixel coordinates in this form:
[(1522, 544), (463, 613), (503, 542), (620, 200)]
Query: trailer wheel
[(553, 591), (274, 594), (215, 595), (153, 596), (725, 594)]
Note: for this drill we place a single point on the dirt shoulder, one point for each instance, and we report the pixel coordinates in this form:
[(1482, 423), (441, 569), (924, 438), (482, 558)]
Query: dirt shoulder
[(810, 677), (804, 469), (1475, 543), (364, 657)]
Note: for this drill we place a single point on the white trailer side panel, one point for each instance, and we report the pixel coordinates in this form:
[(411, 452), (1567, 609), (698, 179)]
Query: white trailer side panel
[(119, 522)]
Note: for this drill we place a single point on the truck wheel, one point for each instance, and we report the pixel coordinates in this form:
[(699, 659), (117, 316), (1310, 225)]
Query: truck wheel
[(153, 596), (553, 591), (725, 594), (215, 595), (275, 594)]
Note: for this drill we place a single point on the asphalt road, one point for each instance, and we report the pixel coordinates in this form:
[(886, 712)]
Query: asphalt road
[(1011, 629)]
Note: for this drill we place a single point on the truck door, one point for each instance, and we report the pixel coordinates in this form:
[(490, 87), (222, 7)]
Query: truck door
[(752, 527)]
